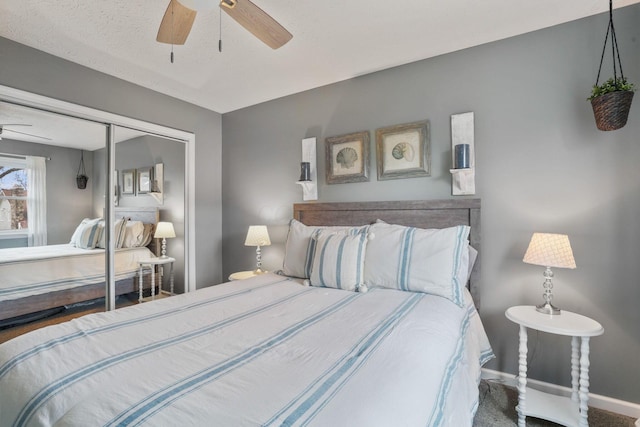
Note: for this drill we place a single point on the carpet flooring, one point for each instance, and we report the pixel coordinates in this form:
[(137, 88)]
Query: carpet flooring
[(498, 409)]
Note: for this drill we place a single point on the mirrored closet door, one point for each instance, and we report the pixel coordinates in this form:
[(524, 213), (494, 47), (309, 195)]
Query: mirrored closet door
[(97, 165)]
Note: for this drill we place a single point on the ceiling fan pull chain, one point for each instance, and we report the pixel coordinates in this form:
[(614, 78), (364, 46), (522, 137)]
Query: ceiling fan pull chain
[(220, 39), (171, 56)]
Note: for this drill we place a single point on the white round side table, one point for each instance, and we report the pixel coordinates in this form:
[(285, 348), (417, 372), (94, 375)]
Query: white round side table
[(240, 275), (562, 410), (151, 263)]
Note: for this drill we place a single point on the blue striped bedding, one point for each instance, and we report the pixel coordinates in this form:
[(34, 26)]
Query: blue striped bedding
[(266, 351), (42, 269)]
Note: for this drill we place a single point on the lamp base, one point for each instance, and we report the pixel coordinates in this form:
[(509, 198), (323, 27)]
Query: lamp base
[(548, 308)]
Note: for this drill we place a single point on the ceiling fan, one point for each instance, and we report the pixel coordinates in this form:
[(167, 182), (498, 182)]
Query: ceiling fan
[(3, 129), (179, 16)]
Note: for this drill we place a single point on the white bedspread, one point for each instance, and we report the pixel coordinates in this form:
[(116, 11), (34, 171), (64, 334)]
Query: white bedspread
[(42, 269), (266, 351)]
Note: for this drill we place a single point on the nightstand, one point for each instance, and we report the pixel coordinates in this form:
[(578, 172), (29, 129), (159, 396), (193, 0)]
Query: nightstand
[(562, 410), (240, 275), (151, 263)]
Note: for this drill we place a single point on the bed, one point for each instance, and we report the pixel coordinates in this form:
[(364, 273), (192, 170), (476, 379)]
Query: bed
[(270, 350), (37, 279)]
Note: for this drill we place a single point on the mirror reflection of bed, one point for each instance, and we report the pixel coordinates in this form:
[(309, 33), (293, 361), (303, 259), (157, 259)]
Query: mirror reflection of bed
[(63, 141)]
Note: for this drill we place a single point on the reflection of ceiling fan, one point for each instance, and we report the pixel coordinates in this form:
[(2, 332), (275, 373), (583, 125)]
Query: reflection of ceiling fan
[(179, 17), (3, 129)]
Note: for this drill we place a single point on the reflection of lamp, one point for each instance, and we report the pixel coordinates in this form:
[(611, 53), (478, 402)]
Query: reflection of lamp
[(549, 250), (258, 236), (164, 231)]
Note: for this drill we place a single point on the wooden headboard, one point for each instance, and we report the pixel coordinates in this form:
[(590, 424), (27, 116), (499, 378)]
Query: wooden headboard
[(146, 215), (413, 213)]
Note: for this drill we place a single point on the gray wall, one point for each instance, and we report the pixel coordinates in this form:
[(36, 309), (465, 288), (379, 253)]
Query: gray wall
[(27, 69), (541, 166), (142, 152), (66, 204)]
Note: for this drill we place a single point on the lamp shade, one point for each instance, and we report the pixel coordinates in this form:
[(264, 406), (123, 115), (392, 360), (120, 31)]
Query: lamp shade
[(550, 250), (257, 236), (164, 230)]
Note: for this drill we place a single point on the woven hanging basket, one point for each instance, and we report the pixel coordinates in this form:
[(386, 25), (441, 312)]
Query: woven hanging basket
[(611, 110), (81, 176)]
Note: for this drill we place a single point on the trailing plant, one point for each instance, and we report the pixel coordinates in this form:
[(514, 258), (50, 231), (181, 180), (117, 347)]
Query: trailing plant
[(611, 85)]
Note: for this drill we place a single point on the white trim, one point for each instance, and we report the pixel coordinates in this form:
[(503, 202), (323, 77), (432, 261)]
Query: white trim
[(57, 106), (23, 233), (596, 400)]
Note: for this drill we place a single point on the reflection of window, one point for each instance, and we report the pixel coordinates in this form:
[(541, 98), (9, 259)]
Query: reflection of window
[(14, 189)]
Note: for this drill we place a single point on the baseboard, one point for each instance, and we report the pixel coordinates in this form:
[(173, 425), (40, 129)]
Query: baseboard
[(597, 401)]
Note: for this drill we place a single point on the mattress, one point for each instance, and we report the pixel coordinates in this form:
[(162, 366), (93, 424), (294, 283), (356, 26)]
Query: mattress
[(266, 351), (41, 269)]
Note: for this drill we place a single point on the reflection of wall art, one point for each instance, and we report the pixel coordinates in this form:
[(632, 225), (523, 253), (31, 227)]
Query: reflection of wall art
[(145, 177), (129, 181), (403, 151), (347, 158)]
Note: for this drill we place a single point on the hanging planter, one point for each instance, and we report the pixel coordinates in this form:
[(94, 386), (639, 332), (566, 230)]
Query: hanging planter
[(81, 177), (611, 101)]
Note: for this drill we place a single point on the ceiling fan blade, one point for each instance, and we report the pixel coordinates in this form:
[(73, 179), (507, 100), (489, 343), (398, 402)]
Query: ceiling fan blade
[(24, 133), (257, 22), (176, 24)]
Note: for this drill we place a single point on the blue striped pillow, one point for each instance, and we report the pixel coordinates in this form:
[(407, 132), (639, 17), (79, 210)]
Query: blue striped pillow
[(338, 261), (80, 229), (432, 261), (300, 247), (87, 235), (119, 230)]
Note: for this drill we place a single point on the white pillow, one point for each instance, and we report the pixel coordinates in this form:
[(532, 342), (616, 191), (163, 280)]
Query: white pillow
[(299, 250), (338, 261), (433, 261), (473, 256), (133, 234), (87, 235), (79, 229), (147, 234)]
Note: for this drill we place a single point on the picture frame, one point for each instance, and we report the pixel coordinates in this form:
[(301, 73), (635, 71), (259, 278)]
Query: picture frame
[(128, 182), (145, 179), (347, 158), (403, 151)]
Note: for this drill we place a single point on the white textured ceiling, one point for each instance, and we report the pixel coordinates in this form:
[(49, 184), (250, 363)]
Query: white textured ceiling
[(28, 124), (332, 41)]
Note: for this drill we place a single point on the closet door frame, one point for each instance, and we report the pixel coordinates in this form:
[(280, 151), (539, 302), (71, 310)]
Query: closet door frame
[(110, 120)]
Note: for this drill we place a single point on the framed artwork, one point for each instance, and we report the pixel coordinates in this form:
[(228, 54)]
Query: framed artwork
[(145, 177), (129, 181), (403, 151), (347, 158)]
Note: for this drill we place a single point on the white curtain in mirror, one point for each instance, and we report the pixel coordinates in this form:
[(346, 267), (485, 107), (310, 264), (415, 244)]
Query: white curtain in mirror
[(37, 200)]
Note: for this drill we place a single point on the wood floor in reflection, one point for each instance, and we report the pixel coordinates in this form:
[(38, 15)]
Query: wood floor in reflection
[(97, 306)]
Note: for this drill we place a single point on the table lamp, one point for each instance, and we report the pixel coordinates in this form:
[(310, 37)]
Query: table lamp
[(164, 231), (258, 236), (549, 250)]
